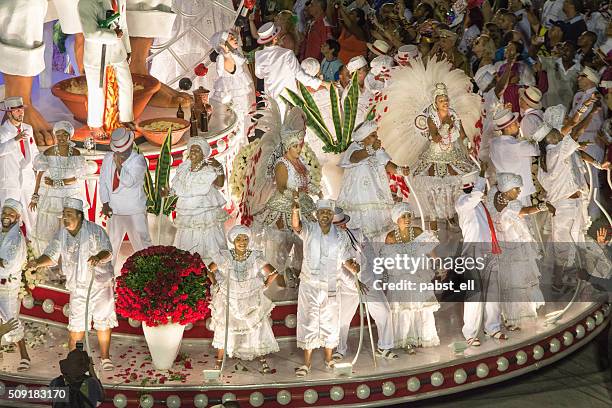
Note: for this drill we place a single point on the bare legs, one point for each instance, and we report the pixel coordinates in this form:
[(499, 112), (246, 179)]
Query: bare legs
[(104, 340)]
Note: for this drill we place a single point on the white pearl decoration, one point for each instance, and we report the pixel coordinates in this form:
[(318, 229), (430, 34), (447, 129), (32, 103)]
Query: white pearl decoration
[(48, 306), (363, 391), (336, 393), (256, 399), (580, 332), (66, 309), (120, 401), (555, 345), (413, 384), (437, 379), (538, 352), (134, 323), (173, 401), (460, 376), (482, 370), (291, 321), (200, 400), (283, 397), (590, 323), (521, 357), (502, 364), (28, 302), (228, 396), (147, 401), (310, 396), (599, 317), (568, 339), (388, 388)]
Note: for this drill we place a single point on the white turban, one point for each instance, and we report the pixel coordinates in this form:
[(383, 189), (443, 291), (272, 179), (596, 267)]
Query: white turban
[(73, 203), (13, 204), (400, 209), (553, 119), (356, 63), (311, 66), (326, 204), (63, 125), (364, 130), (238, 230), (380, 63), (508, 181), (202, 143)]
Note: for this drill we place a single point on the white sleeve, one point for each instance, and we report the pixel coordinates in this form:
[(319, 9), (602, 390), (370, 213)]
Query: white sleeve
[(104, 187), (526, 148), (469, 201), (89, 22), (294, 66)]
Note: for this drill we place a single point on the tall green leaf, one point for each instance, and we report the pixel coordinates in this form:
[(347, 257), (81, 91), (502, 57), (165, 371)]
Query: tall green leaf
[(335, 109), (310, 102), (149, 188), (321, 131), (350, 111), (169, 205), (162, 171), (294, 99)]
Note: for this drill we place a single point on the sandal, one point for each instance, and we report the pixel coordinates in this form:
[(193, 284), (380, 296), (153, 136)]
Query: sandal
[(107, 364), (386, 354), (337, 356), (473, 341), (265, 368), (330, 364), (302, 371), (218, 364), (513, 328), (498, 335), (24, 365)]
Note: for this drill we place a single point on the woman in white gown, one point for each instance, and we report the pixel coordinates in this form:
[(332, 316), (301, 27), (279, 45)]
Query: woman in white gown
[(519, 274), (249, 333), (59, 171), (365, 194), (412, 310), (199, 207)]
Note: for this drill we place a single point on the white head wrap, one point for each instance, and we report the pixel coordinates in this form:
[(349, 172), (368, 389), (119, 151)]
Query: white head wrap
[(73, 203), (364, 130), (326, 204), (63, 125), (400, 209), (217, 39), (311, 66), (380, 63), (202, 143), (440, 90), (293, 128), (483, 79), (356, 63), (508, 181), (14, 204), (238, 230), (591, 74), (553, 119)]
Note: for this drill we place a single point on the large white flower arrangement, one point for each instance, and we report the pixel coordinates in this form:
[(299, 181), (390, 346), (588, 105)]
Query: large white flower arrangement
[(30, 278)]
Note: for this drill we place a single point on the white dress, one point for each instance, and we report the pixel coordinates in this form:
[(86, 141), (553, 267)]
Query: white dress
[(365, 194), (51, 201), (519, 275), (413, 310), (250, 326), (199, 211)]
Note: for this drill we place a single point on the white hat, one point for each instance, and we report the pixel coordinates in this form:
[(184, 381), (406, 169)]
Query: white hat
[(267, 33), (14, 204), (326, 204), (238, 230), (121, 139), (468, 179), (483, 79), (532, 95), (65, 126), (202, 143), (405, 53), (380, 63), (379, 47), (340, 217), (553, 119), (504, 118), (364, 130), (590, 74), (356, 63), (400, 209), (311, 66), (12, 103), (73, 203), (508, 181)]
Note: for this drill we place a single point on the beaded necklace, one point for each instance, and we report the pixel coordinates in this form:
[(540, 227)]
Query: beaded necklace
[(398, 236)]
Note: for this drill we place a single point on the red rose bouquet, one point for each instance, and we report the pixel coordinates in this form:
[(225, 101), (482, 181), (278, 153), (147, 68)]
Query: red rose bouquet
[(163, 284)]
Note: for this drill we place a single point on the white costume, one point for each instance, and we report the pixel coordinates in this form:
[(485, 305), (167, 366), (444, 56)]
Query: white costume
[(250, 326), (128, 202), (150, 18), (17, 177), (68, 14), (74, 252), (50, 204), (199, 210), (13, 255), (318, 313), (413, 310), (91, 12), (477, 239), (532, 120)]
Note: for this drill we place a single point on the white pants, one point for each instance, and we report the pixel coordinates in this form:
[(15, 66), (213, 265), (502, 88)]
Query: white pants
[(9, 309), (95, 97), (135, 226), (348, 302), (101, 308), (317, 318)]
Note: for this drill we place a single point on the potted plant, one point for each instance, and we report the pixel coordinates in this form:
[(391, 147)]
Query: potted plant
[(165, 288)]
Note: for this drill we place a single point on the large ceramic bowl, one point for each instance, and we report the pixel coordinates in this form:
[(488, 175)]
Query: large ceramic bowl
[(157, 137), (71, 92)]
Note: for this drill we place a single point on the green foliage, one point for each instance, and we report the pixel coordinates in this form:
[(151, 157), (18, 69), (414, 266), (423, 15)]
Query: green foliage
[(157, 204), (59, 38)]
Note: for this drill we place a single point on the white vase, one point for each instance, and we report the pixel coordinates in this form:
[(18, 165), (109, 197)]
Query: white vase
[(164, 342), (162, 229)]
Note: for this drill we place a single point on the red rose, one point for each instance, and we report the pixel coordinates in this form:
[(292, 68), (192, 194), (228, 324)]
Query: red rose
[(200, 70)]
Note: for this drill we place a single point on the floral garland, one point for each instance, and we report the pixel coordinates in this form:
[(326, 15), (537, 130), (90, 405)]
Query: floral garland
[(30, 278), (312, 162), (163, 284), (239, 167)]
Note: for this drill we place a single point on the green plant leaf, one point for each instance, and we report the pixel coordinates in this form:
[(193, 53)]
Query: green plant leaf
[(294, 99), (149, 188), (335, 109), (162, 172), (310, 102), (169, 203)]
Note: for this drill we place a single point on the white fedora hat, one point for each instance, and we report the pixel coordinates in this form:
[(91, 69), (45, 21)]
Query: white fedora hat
[(504, 118), (121, 140), (12, 103), (379, 47), (405, 53), (267, 33), (532, 95), (590, 74)]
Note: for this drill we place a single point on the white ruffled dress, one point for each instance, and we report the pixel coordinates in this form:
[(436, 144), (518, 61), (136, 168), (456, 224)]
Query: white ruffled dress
[(413, 310), (199, 211), (365, 194), (51, 201), (250, 332)]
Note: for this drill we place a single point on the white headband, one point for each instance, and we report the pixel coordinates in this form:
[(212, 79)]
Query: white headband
[(364, 130), (238, 230), (400, 209), (65, 126), (508, 181)]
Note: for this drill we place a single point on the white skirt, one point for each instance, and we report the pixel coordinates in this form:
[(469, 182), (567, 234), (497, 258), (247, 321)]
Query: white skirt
[(415, 327), (202, 234)]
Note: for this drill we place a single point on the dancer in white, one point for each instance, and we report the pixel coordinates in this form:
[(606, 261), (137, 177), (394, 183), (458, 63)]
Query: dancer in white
[(199, 208), (479, 243), (348, 295), (359, 66), (60, 168), (17, 153), (234, 83), (12, 260), (85, 253), (116, 46), (250, 333), (412, 310), (519, 275), (531, 111), (326, 250), (365, 194), (122, 193)]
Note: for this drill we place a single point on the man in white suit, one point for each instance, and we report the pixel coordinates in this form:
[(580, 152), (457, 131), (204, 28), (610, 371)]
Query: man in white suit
[(122, 193)]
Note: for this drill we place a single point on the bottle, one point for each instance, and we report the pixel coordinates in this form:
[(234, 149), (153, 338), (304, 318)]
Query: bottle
[(193, 121), (203, 121), (179, 113)]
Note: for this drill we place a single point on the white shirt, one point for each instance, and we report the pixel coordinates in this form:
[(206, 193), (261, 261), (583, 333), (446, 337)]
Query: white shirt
[(563, 176), (510, 155), (552, 11), (16, 171), (532, 120), (90, 13), (596, 120), (13, 254), (279, 68), (129, 198), (472, 216)]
